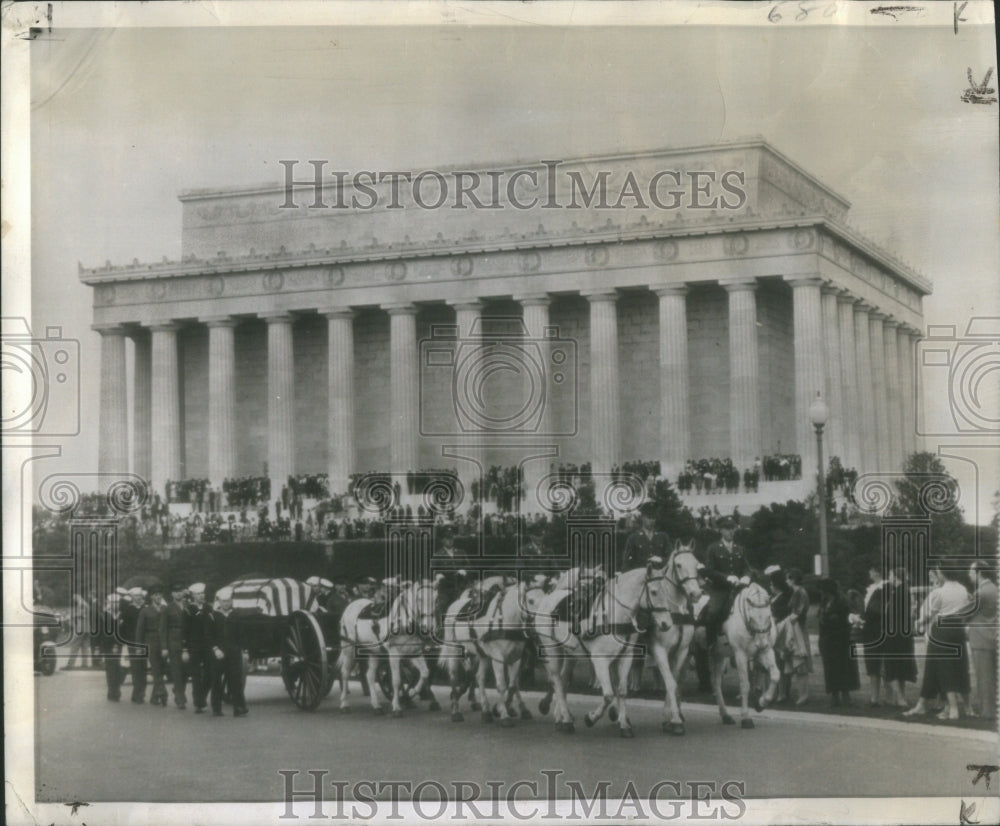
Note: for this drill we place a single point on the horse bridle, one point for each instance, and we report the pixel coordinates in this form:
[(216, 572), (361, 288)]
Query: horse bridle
[(672, 565), (748, 622)]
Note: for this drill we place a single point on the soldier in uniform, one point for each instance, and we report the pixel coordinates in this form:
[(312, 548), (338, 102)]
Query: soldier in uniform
[(148, 634), (173, 643), (137, 664), (198, 653), (725, 568), (109, 648), (647, 542), (225, 638), (452, 582)]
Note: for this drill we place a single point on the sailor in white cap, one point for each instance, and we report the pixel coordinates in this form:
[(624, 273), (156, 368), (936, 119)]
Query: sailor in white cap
[(109, 647), (195, 618), (225, 641), (136, 657)]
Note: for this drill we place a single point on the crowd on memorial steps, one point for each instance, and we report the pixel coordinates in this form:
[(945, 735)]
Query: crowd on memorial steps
[(859, 605)]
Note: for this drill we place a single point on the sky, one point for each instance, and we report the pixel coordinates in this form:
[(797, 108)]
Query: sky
[(122, 119)]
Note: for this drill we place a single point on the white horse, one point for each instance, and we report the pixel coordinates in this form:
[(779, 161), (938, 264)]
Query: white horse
[(401, 635), (608, 639), (501, 636), (459, 648), (670, 635), (750, 631)]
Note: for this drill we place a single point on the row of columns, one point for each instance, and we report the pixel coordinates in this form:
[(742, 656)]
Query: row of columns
[(859, 359)]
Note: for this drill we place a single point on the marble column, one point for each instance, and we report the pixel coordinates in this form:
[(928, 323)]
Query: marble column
[(403, 377), (744, 373), (166, 410), (604, 389), (340, 390), (893, 395), (835, 441), (810, 377), (280, 401), (675, 398), (475, 430), (536, 320), (851, 418), (879, 393), (221, 399), (907, 397), (112, 442), (142, 404), (866, 394)]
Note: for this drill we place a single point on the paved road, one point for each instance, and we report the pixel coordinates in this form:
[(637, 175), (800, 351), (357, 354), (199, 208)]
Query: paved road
[(94, 750)]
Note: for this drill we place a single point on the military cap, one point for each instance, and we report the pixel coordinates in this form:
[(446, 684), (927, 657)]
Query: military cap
[(197, 589)]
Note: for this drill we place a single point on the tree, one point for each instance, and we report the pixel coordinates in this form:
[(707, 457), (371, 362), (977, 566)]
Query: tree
[(927, 490)]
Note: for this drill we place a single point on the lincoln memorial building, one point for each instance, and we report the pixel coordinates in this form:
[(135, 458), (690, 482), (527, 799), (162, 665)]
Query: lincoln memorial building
[(666, 305)]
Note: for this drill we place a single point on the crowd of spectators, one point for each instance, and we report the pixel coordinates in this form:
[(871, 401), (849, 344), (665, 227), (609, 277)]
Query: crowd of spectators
[(716, 476)]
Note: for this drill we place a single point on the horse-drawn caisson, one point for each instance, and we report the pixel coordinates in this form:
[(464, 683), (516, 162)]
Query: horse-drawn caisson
[(280, 618), (579, 614)]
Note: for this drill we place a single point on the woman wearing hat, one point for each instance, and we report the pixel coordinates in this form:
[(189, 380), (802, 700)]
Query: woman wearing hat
[(840, 669)]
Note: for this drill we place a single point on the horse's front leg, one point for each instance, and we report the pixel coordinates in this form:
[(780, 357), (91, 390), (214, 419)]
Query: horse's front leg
[(717, 662), (373, 683), (624, 668), (395, 662), (424, 670), (602, 670), (522, 708), (766, 659), (500, 675), (455, 674), (743, 672), (345, 662), (672, 724), (484, 703)]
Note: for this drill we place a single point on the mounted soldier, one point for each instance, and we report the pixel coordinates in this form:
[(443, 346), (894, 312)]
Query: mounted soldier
[(646, 542), (725, 570)]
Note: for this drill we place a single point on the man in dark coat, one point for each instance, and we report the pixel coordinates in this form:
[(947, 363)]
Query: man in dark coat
[(225, 637), (173, 644), (137, 664), (647, 542), (148, 634), (725, 566), (109, 647), (197, 646)]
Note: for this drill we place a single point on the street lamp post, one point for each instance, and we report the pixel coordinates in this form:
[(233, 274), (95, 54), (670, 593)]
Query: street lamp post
[(818, 414)]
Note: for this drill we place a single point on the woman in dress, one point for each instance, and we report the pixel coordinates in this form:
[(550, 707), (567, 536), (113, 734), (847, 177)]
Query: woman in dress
[(900, 661), (946, 670), (872, 637), (790, 648), (840, 668)]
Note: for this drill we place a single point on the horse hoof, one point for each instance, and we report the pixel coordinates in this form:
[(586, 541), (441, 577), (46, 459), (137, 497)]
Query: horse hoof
[(570, 728), (627, 733), (673, 728), (747, 723), (613, 714), (506, 722), (345, 709), (727, 720), (457, 717), (486, 717), (433, 705), (588, 720), (475, 706), (681, 715), (379, 711), (396, 714), (544, 705), (525, 714), (758, 706)]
